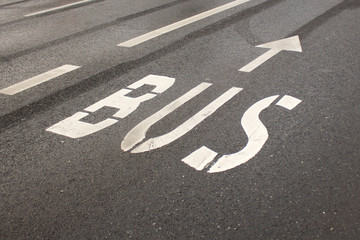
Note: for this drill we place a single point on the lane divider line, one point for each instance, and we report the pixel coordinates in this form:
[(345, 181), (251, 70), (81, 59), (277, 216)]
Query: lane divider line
[(153, 34), (57, 8), (44, 77)]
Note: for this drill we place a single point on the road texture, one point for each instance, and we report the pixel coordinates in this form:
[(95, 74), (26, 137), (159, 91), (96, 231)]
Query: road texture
[(278, 157)]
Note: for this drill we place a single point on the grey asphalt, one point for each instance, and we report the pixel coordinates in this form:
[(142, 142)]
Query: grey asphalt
[(303, 184)]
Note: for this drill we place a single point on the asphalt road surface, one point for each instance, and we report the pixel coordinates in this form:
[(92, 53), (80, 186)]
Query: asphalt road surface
[(180, 119)]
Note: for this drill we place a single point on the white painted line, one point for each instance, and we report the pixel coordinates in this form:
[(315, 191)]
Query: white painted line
[(188, 125), (259, 60), (287, 44), (73, 127), (288, 102), (201, 158), (44, 77), (179, 24), (57, 8), (138, 133)]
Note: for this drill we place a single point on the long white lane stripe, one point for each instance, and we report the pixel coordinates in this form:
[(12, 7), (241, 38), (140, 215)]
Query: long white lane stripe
[(259, 60), (57, 8), (31, 82), (179, 24)]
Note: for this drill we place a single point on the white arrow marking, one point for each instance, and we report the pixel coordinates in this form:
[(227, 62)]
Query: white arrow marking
[(286, 44)]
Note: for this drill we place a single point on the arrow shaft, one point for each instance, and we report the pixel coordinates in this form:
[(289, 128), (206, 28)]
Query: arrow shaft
[(260, 60)]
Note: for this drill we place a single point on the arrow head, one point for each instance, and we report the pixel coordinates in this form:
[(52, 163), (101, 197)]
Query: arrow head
[(286, 44)]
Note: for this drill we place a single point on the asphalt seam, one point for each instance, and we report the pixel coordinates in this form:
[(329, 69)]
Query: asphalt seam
[(94, 29), (107, 75), (26, 112)]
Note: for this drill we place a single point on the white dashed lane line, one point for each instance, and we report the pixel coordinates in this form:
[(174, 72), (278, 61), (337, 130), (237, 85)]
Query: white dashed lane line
[(58, 8), (44, 77), (150, 35)]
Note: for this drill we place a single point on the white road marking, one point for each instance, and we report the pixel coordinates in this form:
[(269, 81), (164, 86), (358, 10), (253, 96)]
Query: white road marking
[(74, 128), (127, 105), (179, 24), (288, 102), (257, 136), (287, 44), (188, 125), (44, 77), (138, 133), (200, 158), (57, 8), (259, 60)]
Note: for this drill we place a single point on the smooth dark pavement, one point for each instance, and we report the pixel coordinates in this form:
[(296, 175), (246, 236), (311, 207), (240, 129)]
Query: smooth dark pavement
[(300, 172)]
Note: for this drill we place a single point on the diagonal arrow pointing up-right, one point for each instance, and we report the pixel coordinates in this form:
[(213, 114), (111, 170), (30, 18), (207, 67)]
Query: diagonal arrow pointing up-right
[(286, 44)]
